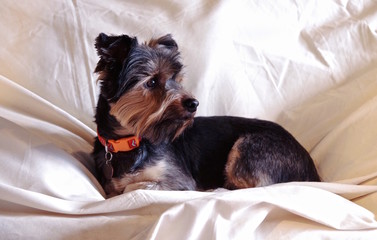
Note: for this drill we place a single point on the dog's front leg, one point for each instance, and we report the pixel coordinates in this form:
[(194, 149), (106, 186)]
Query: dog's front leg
[(147, 185), (132, 181), (148, 178)]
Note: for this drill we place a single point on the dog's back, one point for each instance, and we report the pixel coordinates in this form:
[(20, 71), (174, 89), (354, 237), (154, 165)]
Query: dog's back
[(236, 152)]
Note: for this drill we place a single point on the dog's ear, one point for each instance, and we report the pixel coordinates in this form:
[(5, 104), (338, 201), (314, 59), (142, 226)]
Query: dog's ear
[(112, 50), (166, 41)]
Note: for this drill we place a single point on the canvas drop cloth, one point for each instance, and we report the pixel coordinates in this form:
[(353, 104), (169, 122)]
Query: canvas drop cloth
[(309, 65)]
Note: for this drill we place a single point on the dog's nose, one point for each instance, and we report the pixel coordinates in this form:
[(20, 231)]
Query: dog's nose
[(191, 104)]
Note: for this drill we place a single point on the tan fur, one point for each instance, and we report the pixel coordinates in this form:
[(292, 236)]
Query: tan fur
[(133, 108), (141, 109), (232, 179), (146, 179), (170, 99)]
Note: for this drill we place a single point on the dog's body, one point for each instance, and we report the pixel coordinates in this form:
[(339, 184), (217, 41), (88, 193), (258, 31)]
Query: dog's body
[(169, 149)]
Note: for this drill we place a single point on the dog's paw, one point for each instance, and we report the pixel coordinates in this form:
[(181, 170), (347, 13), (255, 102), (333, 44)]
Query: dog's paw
[(142, 185)]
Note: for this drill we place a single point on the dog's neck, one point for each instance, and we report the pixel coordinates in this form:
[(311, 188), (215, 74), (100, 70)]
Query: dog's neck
[(107, 125), (123, 132), (120, 145)]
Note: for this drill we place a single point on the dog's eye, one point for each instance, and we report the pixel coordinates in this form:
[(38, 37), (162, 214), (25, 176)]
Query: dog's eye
[(152, 83)]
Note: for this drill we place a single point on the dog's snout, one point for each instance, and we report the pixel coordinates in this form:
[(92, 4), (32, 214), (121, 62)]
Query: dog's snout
[(191, 104)]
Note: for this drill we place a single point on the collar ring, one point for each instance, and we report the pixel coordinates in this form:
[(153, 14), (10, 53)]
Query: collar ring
[(108, 155)]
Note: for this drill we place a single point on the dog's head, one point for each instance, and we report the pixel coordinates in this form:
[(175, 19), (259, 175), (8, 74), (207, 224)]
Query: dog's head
[(141, 83)]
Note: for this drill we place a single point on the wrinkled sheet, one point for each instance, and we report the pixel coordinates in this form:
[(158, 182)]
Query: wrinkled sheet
[(309, 65)]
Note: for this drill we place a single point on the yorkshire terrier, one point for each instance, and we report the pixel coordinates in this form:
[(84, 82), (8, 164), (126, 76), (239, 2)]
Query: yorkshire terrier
[(148, 137)]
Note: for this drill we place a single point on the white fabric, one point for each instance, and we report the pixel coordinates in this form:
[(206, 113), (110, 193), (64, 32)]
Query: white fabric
[(309, 65)]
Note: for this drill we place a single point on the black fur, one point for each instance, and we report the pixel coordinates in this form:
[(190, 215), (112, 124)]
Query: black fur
[(204, 149)]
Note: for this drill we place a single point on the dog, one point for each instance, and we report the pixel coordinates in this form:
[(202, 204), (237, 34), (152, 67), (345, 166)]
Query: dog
[(148, 137)]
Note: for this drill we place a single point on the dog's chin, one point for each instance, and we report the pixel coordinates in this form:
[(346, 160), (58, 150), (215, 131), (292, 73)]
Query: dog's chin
[(168, 130)]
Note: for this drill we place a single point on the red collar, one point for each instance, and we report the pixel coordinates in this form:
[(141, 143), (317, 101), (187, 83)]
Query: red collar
[(120, 145)]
